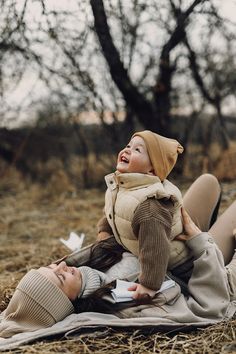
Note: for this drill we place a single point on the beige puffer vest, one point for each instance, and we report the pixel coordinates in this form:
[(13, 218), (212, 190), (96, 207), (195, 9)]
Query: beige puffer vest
[(124, 193)]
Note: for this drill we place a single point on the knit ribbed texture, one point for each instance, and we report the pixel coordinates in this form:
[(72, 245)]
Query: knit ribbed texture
[(152, 225), (91, 280), (36, 303), (163, 152), (56, 304)]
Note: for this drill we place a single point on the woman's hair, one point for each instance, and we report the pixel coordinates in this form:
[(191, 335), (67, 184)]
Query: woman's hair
[(104, 254), (97, 302)]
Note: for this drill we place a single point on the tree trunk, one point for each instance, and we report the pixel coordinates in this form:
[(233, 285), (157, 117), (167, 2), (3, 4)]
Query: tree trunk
[(152, 115), (136, 102), (162, 97)]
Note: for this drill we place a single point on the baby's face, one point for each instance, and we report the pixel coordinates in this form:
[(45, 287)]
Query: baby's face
[(134, 158), (68, 279)]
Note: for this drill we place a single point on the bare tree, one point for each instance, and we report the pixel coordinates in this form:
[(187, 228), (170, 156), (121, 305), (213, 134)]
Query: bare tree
[(153, 114)]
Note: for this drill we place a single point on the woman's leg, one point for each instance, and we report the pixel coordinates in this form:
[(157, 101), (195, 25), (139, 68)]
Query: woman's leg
[(222, 231), (202, 200)]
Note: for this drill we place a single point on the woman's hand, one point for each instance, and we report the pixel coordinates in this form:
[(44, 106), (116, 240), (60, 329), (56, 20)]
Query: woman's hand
[(190, 228), (141, 293)]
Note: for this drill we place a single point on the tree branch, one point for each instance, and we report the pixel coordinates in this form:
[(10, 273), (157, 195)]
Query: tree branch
[(132, 96), (179, 31)]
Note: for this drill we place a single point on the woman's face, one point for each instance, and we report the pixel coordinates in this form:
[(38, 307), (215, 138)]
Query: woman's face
[(68, 279)]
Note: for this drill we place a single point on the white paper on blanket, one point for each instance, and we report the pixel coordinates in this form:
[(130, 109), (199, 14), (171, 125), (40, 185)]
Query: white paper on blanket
[(166, 285), (122, 294), (74, 242)]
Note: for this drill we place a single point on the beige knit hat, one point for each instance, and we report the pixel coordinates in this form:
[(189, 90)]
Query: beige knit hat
[(163, 152), (36, 303), (92, 279)]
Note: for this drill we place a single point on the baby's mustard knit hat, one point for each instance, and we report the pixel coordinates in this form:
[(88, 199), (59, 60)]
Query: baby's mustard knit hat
[(163, 152), (36, 303)]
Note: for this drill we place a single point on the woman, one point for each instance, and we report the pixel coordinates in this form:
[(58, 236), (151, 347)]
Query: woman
[(211, 287), (47, 295)]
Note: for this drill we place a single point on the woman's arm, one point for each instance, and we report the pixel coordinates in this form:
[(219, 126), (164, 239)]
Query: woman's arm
[(208, 285)]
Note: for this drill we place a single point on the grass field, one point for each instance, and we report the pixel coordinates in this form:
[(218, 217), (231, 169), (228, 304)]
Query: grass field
[(33, 218)]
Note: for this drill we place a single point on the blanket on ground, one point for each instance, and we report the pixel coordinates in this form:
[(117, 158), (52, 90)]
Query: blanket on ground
[(92, 321)]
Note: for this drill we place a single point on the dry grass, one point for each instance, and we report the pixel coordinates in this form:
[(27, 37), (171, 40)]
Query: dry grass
[(214, 339), (222, 163), (33, 218)]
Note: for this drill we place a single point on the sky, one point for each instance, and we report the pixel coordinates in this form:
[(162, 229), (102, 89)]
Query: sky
[(228, 8)]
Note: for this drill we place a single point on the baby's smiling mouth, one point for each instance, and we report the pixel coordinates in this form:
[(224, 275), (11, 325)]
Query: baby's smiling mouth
[(124, 159)]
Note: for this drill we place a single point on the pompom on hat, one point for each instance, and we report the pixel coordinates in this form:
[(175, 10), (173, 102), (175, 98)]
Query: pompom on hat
[(36, 303), (163, 152)]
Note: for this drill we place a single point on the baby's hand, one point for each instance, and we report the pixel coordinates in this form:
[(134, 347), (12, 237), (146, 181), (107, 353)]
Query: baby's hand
[(141, 292), (190, 228), (103, 235)]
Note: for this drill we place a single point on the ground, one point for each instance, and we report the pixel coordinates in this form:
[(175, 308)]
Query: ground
[(34, 217)]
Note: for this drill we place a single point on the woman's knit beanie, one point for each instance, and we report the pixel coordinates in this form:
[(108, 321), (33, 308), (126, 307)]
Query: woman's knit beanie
[(163, 152), (92, 279), (36, 303)]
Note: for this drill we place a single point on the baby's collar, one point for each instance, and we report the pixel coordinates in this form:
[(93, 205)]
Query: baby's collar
[(130, 180)]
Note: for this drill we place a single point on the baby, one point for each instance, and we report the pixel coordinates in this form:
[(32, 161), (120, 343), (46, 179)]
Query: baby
[(143, 208)]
